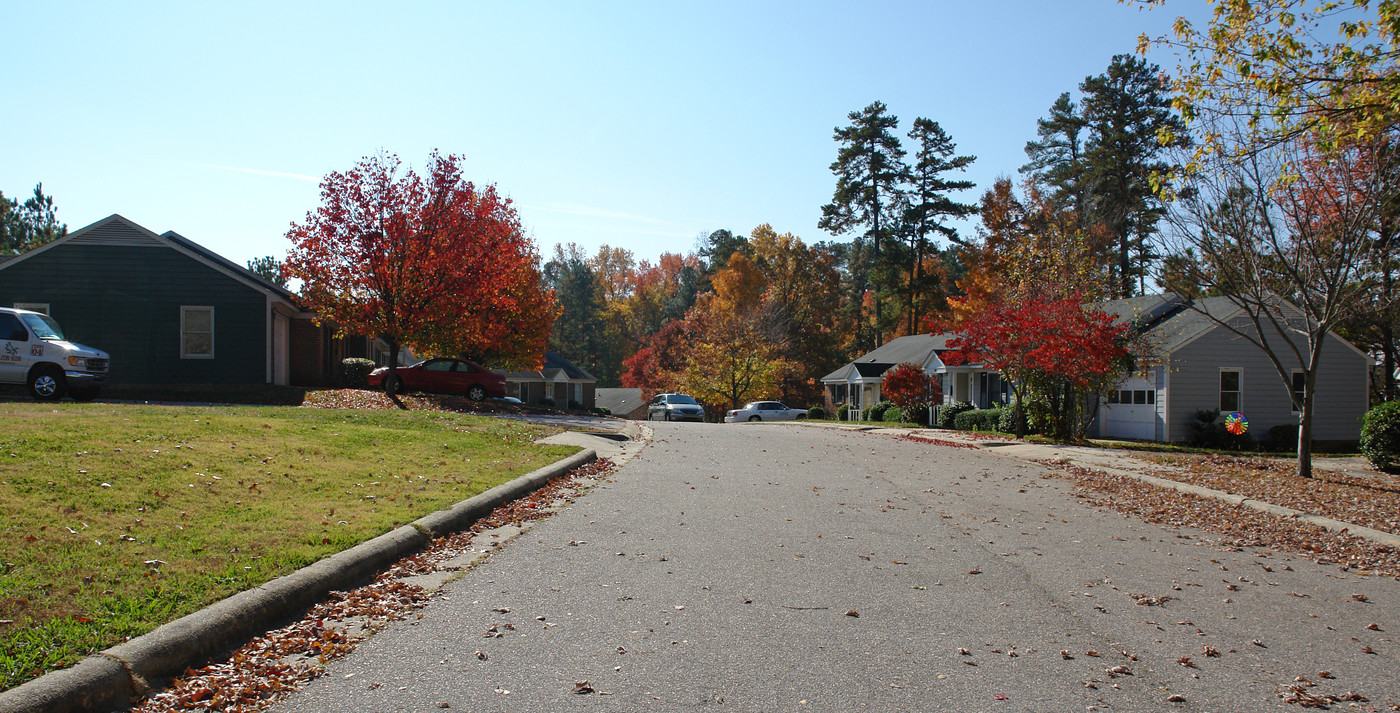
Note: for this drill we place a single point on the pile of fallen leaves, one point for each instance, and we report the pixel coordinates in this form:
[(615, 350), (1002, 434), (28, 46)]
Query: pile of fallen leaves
[(367, 399), (271, 666), (1240, 526), (1372, 502), (937, 441)]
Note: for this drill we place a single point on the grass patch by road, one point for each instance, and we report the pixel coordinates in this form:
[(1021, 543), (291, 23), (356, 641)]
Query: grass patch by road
[(119, 518)]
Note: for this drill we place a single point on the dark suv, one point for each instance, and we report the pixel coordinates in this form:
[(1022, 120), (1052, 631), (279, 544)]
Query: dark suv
[(674, 407)]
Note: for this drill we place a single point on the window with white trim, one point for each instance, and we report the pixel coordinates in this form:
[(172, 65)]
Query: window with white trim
[(1231, 389), (196, 332), (1299, 383)]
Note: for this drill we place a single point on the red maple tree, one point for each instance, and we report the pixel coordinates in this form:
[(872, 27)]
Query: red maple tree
[(911, 388), (431, 261), (1055, 344)]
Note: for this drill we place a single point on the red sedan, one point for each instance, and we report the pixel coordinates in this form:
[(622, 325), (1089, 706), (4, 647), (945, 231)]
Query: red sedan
[(452, 376)]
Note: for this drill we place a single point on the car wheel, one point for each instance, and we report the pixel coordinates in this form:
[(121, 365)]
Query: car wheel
[(801, 416), (668, 415), (83, 394), (754, 418), (476, 393), (46, 383)]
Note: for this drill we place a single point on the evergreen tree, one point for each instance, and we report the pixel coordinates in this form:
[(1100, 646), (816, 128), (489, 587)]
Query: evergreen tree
[(1126, 109), (25, 226), (1097, 160), (1057, 159), (268, 268), (929, 204), (716, 247), (578, 330), (870, 175)]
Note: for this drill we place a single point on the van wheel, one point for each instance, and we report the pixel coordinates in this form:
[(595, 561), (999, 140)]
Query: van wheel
[(46, 383)]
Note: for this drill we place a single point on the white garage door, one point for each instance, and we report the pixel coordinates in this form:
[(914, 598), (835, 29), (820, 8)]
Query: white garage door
[(1131, 411)]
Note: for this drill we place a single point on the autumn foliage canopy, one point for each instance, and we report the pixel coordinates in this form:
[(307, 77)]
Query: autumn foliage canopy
[(429, 261)]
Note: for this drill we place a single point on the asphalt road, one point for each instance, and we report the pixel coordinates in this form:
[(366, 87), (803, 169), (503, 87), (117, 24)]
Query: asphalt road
[(765, 567)]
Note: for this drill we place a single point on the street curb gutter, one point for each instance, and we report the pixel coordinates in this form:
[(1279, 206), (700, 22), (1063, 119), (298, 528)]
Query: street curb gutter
[(114, 678)]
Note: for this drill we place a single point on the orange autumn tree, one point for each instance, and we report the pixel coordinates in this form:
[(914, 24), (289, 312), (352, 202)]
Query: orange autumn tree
[(429, 261)]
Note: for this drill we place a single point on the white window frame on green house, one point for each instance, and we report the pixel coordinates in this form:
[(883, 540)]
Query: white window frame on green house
[(40, 307), (1238, 390), (186, 332)]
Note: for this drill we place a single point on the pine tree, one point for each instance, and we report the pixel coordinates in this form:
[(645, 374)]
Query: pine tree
[(870, 174), (929, 203), (1057, 159), (1126, 109)]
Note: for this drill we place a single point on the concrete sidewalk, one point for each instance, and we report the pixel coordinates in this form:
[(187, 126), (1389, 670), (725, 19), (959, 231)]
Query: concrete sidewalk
[(1124, 463)]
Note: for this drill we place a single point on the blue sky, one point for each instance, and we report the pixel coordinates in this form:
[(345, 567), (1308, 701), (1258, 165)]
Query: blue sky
[(637, 125)]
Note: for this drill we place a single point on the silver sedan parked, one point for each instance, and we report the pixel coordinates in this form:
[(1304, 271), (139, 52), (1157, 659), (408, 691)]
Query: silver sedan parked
[(765, 411)]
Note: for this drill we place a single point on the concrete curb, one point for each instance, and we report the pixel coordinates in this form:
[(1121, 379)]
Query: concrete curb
[(115, 678)]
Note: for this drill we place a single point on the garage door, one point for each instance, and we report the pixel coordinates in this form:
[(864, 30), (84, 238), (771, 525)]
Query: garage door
[(1131, 411)]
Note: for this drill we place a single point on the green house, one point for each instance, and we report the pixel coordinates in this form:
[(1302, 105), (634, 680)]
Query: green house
[(170, 311)]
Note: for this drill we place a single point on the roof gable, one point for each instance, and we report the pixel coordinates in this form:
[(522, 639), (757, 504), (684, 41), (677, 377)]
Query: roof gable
[(118, 231)]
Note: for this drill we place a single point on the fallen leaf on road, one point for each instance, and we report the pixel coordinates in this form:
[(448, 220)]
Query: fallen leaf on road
[(582, 688)]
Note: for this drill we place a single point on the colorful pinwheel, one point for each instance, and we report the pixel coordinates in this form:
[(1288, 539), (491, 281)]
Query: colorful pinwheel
[(1236, 423)]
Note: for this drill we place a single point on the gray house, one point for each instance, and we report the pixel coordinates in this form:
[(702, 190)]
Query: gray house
[(1201, 365), (1206, 366)]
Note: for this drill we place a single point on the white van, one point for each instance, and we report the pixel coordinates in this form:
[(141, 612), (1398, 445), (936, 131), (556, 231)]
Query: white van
[(34, 353)]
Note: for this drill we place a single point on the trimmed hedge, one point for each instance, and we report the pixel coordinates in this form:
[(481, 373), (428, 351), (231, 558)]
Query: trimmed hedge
[(816, 412), (947, 416), (893, 414), (355, 372), (1380, 436), (876, 412)]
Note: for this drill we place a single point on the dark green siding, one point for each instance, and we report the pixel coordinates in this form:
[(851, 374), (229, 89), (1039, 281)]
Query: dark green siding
[(126, 301)]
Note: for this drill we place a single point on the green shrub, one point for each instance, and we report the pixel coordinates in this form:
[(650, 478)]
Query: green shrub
[(876, 412), (844, 413), (1208, 431), (600, 411), (816, 412), (947, 416), (917, 415), (893, 414), (1380, 436), (1282, 438), (546, 402), (1007, 422), (354, 372), (967, 420), (991, 420)]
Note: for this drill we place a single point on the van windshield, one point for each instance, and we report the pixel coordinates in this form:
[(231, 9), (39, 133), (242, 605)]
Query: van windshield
[(43, 327), (680, 399)]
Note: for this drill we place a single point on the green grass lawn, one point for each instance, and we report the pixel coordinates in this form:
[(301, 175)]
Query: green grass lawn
[(119, 518)]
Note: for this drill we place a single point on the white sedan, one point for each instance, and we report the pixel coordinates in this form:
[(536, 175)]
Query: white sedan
[(764, 411)]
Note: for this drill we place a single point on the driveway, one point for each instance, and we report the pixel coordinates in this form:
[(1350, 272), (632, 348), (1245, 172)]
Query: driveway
[(781, 568)]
